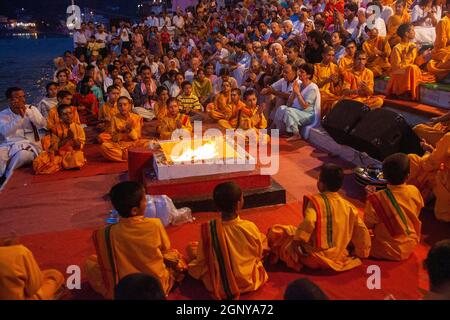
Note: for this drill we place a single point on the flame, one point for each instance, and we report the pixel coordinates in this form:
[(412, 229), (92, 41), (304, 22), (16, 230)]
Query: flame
[(205, 152)]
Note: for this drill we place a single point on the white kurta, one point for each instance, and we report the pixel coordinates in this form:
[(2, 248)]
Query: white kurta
[(19, 146)]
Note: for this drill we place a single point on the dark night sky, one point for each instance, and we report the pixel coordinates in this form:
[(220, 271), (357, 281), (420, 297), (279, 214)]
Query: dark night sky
[(58, 7)]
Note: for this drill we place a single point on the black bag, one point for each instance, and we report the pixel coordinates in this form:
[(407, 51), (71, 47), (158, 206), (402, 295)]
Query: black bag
[(383, 132), (343, 118)]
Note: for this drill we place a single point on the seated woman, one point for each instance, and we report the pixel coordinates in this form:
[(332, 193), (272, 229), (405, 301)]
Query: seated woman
[(303, 104), (49, 101), (62, 77), (98, 93), (87, 105), (220, 109), (129, 83)]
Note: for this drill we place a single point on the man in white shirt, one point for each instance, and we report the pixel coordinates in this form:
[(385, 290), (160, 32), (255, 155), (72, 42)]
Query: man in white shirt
[(19, 125), (372, 22), (178, 21), (220, 54), (124, 33), (351, 20), (281, 89), (80, 40), (101, 37)]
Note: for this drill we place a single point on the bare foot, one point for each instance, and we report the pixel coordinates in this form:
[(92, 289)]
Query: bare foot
[(295, 137)]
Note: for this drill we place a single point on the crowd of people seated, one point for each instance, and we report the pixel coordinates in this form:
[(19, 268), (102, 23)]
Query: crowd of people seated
[(251, 66)]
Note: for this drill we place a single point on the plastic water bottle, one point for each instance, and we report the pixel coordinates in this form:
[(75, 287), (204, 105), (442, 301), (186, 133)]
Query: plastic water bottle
[(113, 217)]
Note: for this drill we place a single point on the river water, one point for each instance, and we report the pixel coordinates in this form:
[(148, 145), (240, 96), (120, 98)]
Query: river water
[(27, 62)]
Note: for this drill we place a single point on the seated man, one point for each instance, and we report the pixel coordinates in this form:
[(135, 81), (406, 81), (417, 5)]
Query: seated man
[(393, 213), (125, 133), (220, 109), (124, 242), (439, 65), (346, 61), (174, 122), (189, 103), (229, 256), (358, 83), (20, 275), (107, 111), (430, 173), (303, 105), (326, 76), (144, 94), (281, 89), (437, 265), (19, 125), (433, 131), (63, 148), (378, 51), (236, 106), (63, 97), (329, 225), (406, 74)]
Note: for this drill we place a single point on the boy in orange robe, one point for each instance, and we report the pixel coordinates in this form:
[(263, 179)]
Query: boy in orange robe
[(63, 97), (125, 133), (63, 148), (406, 74), (393, 213), (134, 244), (174, 122), (378, 51), (330, 223), (106, 112), (229, 257), (358, 83), (20, 275)]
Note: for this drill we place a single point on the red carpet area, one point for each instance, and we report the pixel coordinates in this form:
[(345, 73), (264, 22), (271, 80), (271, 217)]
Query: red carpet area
[(55, 220)]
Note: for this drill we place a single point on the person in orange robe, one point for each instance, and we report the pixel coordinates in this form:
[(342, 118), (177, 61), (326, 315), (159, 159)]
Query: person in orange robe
[(358, 83), (378, 51), (134, 244), (125, 133), (63, 148), (160, 105), (393, 213), (107, 111), (229, 256), (433, 131), (346, 61), (330, 224), (326, 76), (174, 123), (236, 106), (20, 275), (63, 97), (406, 74), (400, 16), (431, 174), (220, 109), (439, 65)]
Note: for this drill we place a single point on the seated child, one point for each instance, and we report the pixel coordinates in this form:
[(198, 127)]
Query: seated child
[(49, 101), (137, 245), (20, 275), (174, 122), (63, 97), (125, 133), (139, 286), (393, 213), (236, 243), (63, 148), (235, 105), (106, 112), (220, 109), (189, 103), (330, 223)]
